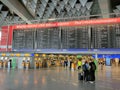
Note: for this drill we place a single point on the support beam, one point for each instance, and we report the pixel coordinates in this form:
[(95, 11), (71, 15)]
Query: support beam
[(105, 8), (19, 9), (3, 16)]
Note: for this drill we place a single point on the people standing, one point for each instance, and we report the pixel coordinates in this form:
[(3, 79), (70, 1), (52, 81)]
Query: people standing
[(65, 63), (101, 64), (92, 71), (68, 63), (80, 71), (85, 68), (79, 63)]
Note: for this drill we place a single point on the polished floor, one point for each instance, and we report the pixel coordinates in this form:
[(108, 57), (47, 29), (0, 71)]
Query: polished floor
[(58, 79)]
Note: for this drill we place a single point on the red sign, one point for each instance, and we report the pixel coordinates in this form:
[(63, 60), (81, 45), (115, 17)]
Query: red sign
[(69, 23), (10, 35), (6, 38)]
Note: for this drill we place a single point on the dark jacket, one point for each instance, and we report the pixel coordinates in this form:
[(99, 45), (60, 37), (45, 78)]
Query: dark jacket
[(92, 66)]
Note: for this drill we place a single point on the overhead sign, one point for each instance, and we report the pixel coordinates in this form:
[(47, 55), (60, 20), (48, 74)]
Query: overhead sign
[(11, 54), (3, 54), (18, 54), (36, 55), (79, 56), (27, 55), (69, 23)]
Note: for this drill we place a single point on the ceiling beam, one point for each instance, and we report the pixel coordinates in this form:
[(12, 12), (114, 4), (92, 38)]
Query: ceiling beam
[(105, 8), (19, 9)]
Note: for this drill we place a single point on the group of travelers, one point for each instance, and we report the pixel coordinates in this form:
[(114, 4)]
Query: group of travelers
[(86, 70)]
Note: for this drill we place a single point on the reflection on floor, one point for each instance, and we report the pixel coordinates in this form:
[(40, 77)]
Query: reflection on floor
[(58, 79)]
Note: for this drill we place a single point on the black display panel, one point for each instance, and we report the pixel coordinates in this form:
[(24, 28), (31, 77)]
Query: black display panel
[(48, 38), (115, 36), (100, 37), (29, 39), (105, 37), (23, 39), (75, 38)]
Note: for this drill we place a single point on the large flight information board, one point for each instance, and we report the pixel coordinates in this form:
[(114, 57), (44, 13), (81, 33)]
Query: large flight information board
[(97, 37)]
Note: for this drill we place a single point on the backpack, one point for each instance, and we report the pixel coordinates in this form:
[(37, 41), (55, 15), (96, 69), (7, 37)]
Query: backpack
[(93, 67), (84, 67)]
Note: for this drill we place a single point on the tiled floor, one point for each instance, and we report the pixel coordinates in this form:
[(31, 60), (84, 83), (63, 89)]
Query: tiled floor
[(58, 79)]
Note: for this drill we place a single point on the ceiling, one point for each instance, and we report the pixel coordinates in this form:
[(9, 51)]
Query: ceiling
[(44, 9), (25, 10), (114, 3)]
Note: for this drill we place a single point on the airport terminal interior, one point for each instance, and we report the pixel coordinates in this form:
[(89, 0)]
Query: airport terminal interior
[(59, 44)]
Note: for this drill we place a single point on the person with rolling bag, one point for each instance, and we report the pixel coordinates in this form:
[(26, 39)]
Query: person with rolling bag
[(80, 73)]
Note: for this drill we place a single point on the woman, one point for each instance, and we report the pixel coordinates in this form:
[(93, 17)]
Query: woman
[(92, 71)]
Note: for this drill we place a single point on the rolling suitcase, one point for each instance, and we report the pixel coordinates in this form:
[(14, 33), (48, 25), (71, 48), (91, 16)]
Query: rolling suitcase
[(80, 76)]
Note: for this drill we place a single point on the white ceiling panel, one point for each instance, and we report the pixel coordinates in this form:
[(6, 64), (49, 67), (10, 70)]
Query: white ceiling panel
[(83, 2), (89, 5)]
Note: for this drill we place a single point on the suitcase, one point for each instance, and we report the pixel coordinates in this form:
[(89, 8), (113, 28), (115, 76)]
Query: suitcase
[(80, 76)]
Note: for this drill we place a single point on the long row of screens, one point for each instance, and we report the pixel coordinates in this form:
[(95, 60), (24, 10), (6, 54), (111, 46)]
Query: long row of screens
[(67, 38)]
